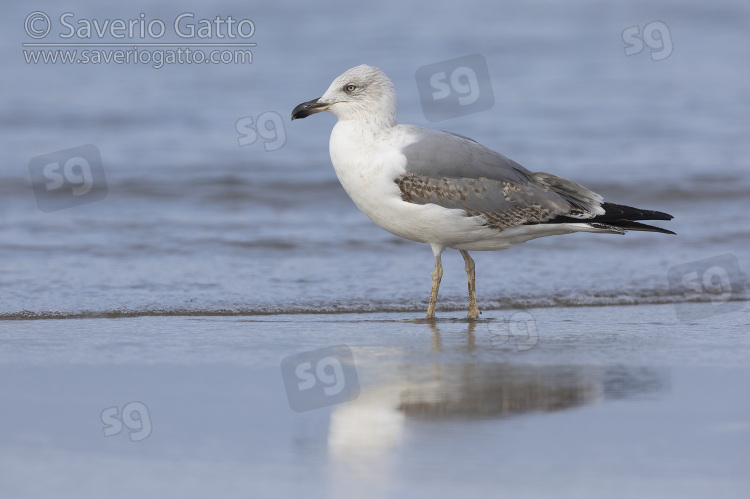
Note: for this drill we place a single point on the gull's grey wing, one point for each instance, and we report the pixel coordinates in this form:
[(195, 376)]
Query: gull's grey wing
[(442, 154), (457, 172)]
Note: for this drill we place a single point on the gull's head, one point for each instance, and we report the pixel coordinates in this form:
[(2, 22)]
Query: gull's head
[(362, 93)]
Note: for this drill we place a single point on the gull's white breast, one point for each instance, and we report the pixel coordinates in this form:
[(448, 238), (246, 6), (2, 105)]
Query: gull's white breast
[(366, 164)]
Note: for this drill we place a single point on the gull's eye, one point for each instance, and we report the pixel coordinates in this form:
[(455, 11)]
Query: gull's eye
[(350, 88)]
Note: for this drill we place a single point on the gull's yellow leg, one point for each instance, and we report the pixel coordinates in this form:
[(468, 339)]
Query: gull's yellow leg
[(437, 275), (469, 266)]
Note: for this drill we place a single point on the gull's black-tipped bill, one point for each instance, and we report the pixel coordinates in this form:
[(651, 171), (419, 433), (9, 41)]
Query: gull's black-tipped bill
[(307, 108)]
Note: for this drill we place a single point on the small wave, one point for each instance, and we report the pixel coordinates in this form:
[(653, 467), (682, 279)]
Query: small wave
[(446, 306)]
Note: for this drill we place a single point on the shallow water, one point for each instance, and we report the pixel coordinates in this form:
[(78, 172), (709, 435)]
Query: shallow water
[(203, 263), (191, 221), (616, 401)]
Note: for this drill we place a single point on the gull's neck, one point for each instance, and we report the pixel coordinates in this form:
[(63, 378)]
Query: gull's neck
[(376, 115), (374, 123)]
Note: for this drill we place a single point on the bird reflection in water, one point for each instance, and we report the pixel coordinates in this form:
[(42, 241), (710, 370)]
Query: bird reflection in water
[(365, 435)]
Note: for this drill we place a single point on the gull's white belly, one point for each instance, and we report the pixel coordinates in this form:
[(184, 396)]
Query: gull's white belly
[(380, 199)]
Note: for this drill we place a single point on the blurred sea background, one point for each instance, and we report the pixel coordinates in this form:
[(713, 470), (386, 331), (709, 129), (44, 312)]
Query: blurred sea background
[(192, 221), (203, 219)]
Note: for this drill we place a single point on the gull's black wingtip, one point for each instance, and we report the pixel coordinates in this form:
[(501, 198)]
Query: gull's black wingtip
[(626, 217), (620, 216), (630, 225)]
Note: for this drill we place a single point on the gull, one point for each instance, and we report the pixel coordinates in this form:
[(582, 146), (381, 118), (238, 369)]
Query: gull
[(448, 190)]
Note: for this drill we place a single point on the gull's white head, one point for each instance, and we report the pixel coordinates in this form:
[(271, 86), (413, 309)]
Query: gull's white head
[(362, 93)]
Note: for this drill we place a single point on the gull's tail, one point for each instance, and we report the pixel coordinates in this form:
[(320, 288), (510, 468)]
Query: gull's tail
[(588, 207), (619, 216)]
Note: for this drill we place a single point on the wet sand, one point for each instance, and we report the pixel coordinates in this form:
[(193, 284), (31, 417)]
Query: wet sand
[(563, 402)]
